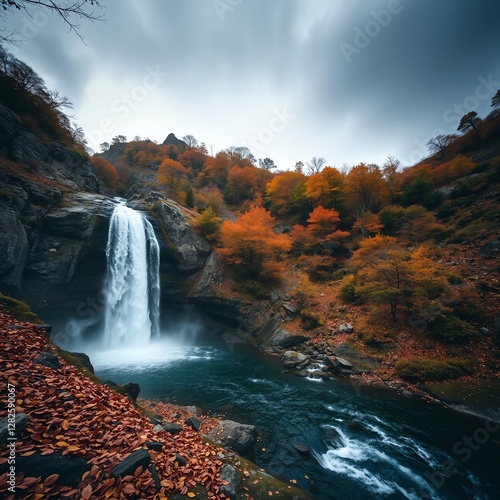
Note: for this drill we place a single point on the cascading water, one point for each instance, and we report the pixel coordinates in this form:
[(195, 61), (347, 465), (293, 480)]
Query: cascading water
[(132, 286)]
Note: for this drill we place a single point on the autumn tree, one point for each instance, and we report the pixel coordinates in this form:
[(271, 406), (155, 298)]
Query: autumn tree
[(251, 244), (106, 171), (326, 188), (286, 192), (469, 121), (368, 224), (321, 233), (389, 274), (240, 185), (193, 160), (366, 188), (171, 173), (216, 170)]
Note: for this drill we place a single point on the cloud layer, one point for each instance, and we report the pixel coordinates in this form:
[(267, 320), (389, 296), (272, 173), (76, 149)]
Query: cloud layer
[(356, 80)]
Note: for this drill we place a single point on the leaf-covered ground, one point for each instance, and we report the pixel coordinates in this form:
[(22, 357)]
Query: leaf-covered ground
[(71, 415)]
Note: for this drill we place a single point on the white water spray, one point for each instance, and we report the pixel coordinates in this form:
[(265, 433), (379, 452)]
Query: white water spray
[(132, 283)]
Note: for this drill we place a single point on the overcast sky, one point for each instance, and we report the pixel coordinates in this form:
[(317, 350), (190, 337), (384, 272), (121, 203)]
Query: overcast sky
[(350, 80)]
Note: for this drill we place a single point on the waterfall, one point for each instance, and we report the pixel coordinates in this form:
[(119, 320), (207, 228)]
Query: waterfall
[(132, 288)]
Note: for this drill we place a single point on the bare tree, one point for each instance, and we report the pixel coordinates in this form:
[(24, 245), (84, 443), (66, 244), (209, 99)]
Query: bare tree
[(439, 143), (190, 141), (315, 165), (57, 101), (66, 10)]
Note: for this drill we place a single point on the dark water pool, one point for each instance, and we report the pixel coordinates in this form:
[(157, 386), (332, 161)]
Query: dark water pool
[(397, 447)]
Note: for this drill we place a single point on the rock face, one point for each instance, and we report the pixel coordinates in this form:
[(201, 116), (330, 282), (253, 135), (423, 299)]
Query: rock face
[(187, 248), (230, 476), (238, 437)]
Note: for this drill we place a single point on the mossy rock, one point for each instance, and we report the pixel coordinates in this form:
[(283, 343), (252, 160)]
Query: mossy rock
[(19, 310), (73, 360)]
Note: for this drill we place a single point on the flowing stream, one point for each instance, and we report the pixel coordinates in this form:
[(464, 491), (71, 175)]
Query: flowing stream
[(364, 442)]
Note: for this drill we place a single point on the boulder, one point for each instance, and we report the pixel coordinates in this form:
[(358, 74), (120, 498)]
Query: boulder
[(132, 389), (346, 328), (283, 338), (153, 445), (230, 476), (70, 468), (49, 360), (290, 309), (172, 428), (294, 358), (337, 364), (84, 360), (193, 422), (128, 465), (238, 437)]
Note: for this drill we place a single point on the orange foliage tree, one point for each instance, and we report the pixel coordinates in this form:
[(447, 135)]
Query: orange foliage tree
[(286, 191), (326, 188), (366, 188), (387, 273), (172, 173), (322, 228), (106, 171), (250, 243)]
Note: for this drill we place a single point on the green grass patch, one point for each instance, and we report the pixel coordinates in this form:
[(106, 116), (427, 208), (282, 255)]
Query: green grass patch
[(19, 310), (417, 369)]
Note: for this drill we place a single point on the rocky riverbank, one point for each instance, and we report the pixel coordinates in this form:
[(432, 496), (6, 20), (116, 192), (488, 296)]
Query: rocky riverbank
[(73, 437)]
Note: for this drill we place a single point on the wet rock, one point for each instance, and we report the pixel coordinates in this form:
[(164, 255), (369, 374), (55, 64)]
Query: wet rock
[(180, 460), (230, 476), (193, 422), (303, 450), (172, 428), (69, 468), (84, 360), (49, 360), (132, 389), (153, 445), (293, 358), (337, 364), (238, 437), (129, 465)]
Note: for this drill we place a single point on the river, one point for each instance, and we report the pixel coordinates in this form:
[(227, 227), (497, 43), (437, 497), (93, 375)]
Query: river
[(365, 442)]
